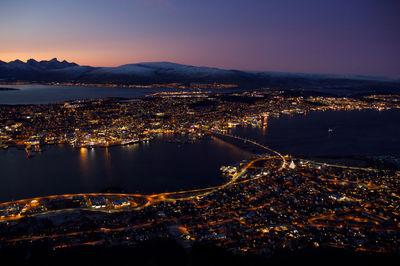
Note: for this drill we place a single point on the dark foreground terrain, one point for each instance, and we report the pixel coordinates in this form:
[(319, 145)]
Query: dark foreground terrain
[(169, 252)]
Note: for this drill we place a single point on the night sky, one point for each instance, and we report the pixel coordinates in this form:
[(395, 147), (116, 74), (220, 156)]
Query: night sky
[(310, 36)]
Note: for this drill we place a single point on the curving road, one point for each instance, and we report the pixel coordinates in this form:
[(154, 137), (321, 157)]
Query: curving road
[(37, 206)]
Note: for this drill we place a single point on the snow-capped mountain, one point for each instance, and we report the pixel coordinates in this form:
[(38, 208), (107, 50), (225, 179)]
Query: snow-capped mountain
[(32, 64), (32, 70), (161, 68), (167, 72)]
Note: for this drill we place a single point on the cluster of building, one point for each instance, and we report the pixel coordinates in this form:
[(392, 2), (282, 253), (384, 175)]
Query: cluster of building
[(267, 203), (264, 207), (107, 122)]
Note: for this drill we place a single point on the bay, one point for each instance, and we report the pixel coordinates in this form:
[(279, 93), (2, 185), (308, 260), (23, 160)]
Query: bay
[(160, 166)]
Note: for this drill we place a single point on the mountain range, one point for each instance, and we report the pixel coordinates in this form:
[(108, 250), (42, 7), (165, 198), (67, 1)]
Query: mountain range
[(167, 72)]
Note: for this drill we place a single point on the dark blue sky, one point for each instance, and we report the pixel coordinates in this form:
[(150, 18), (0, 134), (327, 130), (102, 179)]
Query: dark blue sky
[(314, 36)]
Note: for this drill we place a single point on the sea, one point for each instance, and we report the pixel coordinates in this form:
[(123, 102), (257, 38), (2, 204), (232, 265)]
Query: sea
[(160, 165), (43, 94)]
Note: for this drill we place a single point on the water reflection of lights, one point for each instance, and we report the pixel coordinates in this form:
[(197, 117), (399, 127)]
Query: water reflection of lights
[(83, 153), (83, 160), (92, 154), (264, 124), (107, 162), (107, 154)]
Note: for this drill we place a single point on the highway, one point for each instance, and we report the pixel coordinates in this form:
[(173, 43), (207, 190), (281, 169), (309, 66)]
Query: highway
[(36, 206), (261, 201), (32, 207), (284, 162)]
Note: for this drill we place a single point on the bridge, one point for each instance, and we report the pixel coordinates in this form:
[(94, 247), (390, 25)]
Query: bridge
[(245, 140), (40, 205), (43, 205)]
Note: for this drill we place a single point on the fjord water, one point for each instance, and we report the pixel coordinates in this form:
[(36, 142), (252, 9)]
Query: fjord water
[(159, 166), (331, 133), (43, 94), (155, 166)]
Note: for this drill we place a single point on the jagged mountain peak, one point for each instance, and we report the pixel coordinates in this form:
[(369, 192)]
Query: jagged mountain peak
[(168, 72), (53, 61), (32, 61), (16, 61)]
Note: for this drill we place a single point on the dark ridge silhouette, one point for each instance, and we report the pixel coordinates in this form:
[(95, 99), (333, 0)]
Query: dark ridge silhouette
[(166, 72)]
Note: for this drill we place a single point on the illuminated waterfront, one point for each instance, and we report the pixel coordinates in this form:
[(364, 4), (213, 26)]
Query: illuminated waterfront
[(41, 94), (308, 203), (158, 166), (178, 170)]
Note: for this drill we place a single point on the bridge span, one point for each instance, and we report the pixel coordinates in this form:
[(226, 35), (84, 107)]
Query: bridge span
[(15, 210), (284, 162)]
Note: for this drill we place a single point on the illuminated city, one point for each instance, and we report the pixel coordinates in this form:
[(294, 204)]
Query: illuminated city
[(199, 133), (271, 202)]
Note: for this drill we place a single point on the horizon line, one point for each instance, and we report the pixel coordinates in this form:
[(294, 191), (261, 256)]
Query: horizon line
[(393, 77)]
